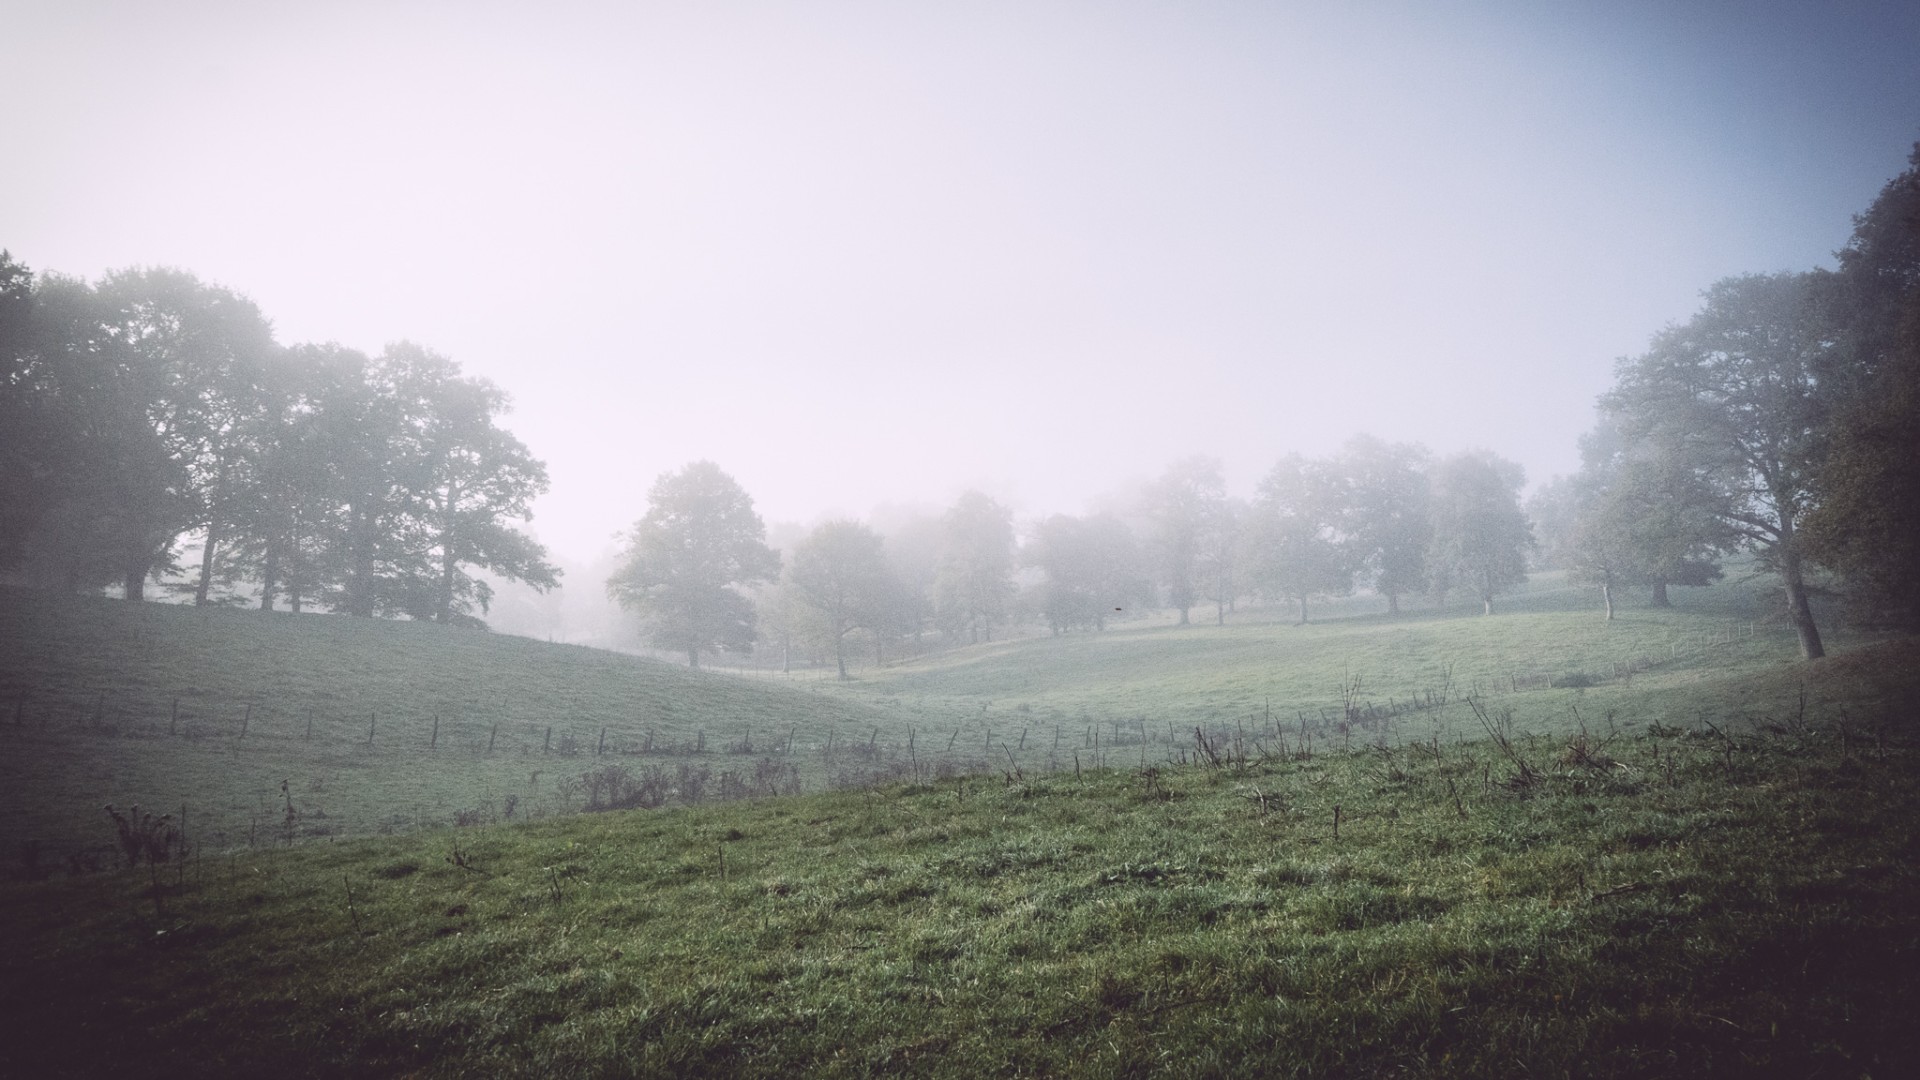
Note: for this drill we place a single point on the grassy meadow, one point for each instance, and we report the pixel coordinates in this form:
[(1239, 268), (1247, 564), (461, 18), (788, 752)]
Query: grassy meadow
[(162, 705), (378, 727), (1435, 844)]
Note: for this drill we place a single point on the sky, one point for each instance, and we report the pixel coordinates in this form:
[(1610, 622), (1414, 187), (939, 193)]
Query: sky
[(873, 254)]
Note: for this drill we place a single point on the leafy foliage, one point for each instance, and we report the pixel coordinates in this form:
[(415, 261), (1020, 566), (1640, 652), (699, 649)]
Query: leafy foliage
[(1480, 535), (1729, 403), (699, 541)]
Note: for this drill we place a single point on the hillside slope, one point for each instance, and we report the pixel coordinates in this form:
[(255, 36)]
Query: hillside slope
[(1736, 898), (374, 725)]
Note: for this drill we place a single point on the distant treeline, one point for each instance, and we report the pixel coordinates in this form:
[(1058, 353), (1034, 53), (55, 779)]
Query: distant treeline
[(149, 409), (1783, 420)]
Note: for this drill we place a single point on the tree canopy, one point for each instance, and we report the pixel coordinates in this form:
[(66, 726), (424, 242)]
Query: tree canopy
[(1730, 400), (152, 411), (699, 541), (1480, 535)]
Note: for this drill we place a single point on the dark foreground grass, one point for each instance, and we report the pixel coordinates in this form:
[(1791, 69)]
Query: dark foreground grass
[(1736, 898)]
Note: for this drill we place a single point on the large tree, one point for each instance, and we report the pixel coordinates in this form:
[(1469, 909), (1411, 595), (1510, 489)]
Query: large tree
[(974, 579), (130, 399), (1387, 522), (841, 572), (1186, 505), (1094, 570), (1642, 517), (1866, 519), (1480, 535), (686, 559), (471, 479), (1295, 547), (1731, 398)]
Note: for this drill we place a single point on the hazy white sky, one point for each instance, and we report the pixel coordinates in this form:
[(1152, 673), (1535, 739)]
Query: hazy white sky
[(865, 253)]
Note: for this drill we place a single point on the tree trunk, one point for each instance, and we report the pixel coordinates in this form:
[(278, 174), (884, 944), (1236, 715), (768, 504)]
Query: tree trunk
[(693, 657), (360, 576), (1220, 613), (1303, 612), (1791, 575), (1183, 616), (1393, 603), (205, 585), (1799, 610), (135, 584), (444, 614), (269, 573), (1486, 604), (1606, 596), (1660, 595)]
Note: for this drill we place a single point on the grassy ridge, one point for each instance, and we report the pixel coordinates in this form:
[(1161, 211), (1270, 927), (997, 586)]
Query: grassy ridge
[(161, 705), (1731, 900)]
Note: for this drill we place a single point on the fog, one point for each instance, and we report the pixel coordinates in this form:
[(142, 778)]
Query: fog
[(871, 254)]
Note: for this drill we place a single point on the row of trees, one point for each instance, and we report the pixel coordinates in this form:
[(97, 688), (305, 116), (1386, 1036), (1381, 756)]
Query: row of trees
[(700, 569), (1783, 419), (150, 411)]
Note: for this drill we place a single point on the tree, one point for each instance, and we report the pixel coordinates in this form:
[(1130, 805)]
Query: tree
[(975, 576), (1865, 521), (123, 404), (1295, 547), (471, 478), (699, 541), (195, 351), (1480, 535), (1387, 521), (1641, 518), (840, 571), (284, 517), (915, 544), (1094, 569), (1731, 398), (1186, 505)]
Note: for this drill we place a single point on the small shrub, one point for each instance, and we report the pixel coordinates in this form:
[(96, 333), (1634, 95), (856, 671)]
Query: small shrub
[(143, 835)]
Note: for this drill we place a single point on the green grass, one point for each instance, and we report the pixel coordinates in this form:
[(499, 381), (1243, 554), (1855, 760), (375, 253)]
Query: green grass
[(208, 712), (1731, 900), (146, 704), (1260, 664)]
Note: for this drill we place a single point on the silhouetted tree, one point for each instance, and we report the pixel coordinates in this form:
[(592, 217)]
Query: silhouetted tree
[(1480, 535), (974, 580), (699, 541), (1866, 518), (1732, 398), (1295, 549), (1185, 504), (840, 571), (1641, 517), (1094, 570), (1387, 521)]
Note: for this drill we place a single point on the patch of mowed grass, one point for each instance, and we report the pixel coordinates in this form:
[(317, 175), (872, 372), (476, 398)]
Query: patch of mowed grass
[(1735, 899)]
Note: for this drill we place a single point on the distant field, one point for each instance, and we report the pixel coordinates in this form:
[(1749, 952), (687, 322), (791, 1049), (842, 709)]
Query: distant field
[(1545, 653), (377, 726)]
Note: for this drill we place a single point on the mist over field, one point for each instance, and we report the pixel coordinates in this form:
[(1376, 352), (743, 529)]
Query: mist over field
[(980, 539), (859, 254)]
